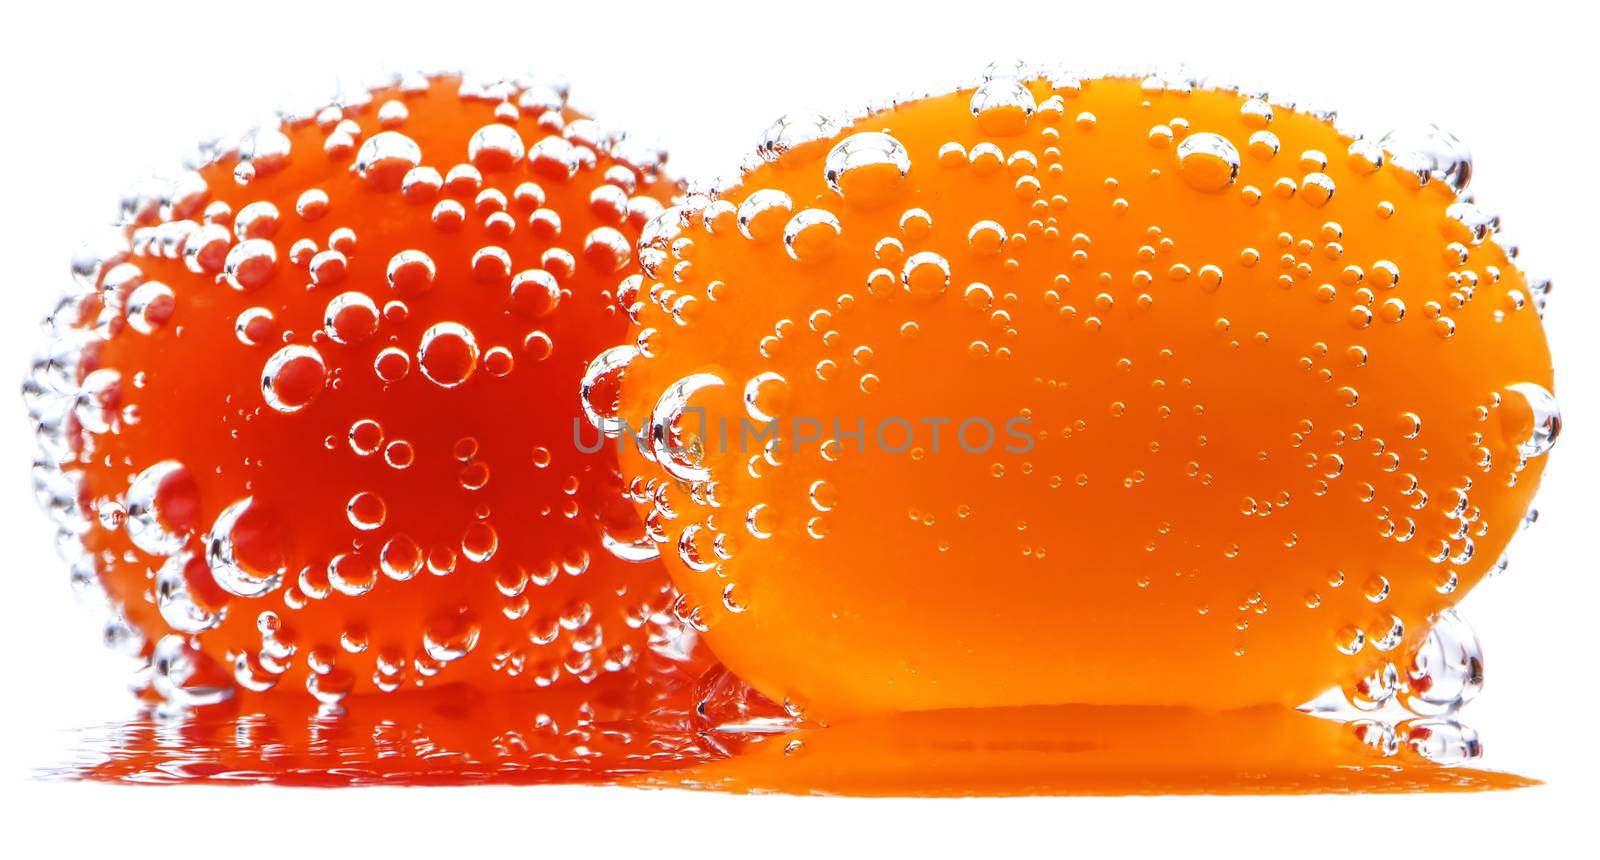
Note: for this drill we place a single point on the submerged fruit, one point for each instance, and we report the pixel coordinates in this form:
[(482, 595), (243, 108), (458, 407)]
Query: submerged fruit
[(308, 419), (1054, 391)]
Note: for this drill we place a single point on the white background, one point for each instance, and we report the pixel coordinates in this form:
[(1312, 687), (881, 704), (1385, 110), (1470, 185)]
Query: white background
[(96, 96)]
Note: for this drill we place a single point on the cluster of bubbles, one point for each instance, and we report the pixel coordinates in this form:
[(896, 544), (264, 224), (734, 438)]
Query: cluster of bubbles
[(72, 402), (1415, 710)]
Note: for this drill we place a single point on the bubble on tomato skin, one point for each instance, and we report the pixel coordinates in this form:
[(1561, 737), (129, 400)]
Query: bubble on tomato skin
[(479, 542), (97, 403), (258, 220), (161, 508), (447, 354), (421, 185), (658, 236), (1431, 152), (293, 377), (411, 273), (810, 234), (1532, 419), (867, 168), (1445, 671), (600, 389), (330, 686), (179, 606), (352, 574), (399, 454), (185, 678), (365, 437), (327, 268), (499, 361), (1002, 106), (384, 159), (925, 275), (677, 449), (535, 293), (366, 511), (607, 249), (495, 148), (391, 364), (796, 138), (250, 264), (1376, 689), (400, 558), (245, 550), (625, 535), (1208, 162), (1317, 189), (765, 396), (763, 214), (450, 637), (250, 672), (694, 550), (350, 317), (555, 158), (150, 306)]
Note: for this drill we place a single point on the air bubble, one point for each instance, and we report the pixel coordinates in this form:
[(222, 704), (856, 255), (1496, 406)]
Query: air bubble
[(764, 396), (925, 275), (796, 138), (676, 452), (400, 558), (1532, 419), (810, 234), (250, 264), (599, 390), (366, 511), (867, 168), (448, 354), (150, 306), (161, 506), (495, 147), (178, 605), (350, 318), (411, 273), (384, 159), (293, 377), (1208, 162), (1446, 671), (1432, 149), (243, 550), (1002, 106), (763, 214)]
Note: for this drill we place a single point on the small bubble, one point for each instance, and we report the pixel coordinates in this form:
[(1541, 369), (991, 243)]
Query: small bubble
[(366, 511), (925, 274), (1002, 106), (448, 354), (293, 377), (385, 158), (1208, 162)]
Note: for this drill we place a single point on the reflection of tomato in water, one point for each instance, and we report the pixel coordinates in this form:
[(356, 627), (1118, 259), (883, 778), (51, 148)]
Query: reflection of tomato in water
[(1286, 399), (328, 399)]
